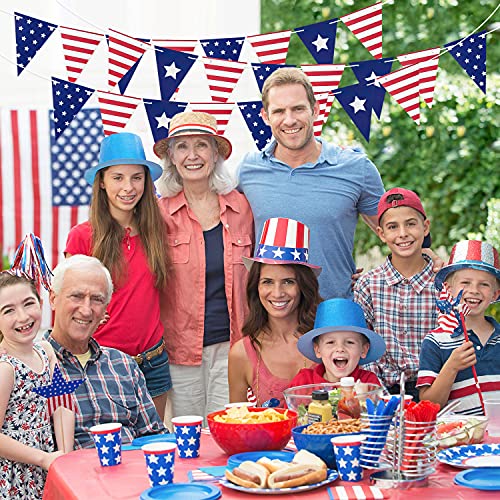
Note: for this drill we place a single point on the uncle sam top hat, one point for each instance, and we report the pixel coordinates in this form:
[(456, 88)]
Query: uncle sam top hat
[(283, 241), (471, 254)]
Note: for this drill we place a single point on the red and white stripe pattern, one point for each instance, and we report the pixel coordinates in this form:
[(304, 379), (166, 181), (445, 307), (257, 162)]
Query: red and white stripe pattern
[(271, 48), (124, 51), (116, 110), (475, 250), (324, 77), (78, 47), (222, 77), (251, 397), (358, 492), (366, 25), (65, 400), (428, 64), (221, 111), (403, 86), (281, 232), (448, 322), (179, 45), (325, 102)]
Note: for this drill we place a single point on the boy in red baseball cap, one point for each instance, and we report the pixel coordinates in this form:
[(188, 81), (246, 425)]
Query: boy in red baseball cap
[(398, 297)]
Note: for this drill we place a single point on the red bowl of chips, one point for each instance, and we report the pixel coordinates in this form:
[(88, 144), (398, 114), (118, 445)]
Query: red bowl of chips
[(237, 430)]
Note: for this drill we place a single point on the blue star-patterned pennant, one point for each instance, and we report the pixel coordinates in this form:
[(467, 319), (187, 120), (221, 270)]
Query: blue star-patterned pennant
[(367, 72), (58, 391), (223, 48), (262, 71), (319, 38), (159, 115), (31, 34), (356, 101), (173, 66), (261, 132), (470, 53), (123, 83), (68, 99)]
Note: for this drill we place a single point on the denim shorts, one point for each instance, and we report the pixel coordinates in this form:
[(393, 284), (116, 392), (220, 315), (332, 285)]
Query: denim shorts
[(157, 372)]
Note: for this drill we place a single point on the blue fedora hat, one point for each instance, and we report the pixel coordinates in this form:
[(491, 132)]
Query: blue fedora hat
[(123, 148), (341, 315)]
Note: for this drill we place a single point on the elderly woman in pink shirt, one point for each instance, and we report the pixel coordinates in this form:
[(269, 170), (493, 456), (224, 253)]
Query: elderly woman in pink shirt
[(210, 230)]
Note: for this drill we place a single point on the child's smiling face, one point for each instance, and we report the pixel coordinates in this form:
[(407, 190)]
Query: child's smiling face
[(340, 352)]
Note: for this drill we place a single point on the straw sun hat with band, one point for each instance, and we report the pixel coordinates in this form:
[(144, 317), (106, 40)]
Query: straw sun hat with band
[(191, 123)]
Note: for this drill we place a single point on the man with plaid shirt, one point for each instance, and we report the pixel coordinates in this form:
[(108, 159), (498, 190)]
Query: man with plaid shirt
[(398, 297), (114, 388)]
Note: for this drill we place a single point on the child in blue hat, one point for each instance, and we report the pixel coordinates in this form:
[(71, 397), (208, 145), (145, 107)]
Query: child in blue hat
[(340, 342)]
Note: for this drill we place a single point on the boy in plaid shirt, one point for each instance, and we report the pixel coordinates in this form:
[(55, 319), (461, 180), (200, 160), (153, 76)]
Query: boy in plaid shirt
[(398, 297)]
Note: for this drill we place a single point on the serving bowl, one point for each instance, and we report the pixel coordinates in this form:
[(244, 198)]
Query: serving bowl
[(239, 437), (457, 430)]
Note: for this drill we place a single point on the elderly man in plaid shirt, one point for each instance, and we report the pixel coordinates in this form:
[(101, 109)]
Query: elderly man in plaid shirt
[(114, 389)]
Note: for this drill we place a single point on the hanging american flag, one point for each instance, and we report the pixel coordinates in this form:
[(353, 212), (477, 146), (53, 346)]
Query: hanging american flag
[(116, 110), (42, 189), (78, 47), (222, 77), (59, 392), (223, 48), (449, 312), (220, 110), (324, 77), (271, 48), (366, 26), (261, 132)]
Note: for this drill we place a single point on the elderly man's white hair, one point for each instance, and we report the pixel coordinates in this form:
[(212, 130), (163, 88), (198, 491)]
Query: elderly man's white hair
[(80, 263)]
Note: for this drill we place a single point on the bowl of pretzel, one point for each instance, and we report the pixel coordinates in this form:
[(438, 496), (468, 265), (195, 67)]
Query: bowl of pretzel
[(316, 437)]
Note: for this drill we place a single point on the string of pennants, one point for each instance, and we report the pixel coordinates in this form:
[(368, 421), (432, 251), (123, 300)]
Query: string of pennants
[(415, 78)]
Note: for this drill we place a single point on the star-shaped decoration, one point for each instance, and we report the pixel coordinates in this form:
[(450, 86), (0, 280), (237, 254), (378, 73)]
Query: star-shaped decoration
[(163, 120), (180, 441), (105, 461), (342, 463), (104, 449), (171, 71), (348, 451), (185, 430), (262, 251), (109, 437), (192, 441), (296, 254), (161, 471), (58, 385), (189, 452), (153, 459), (278, 253), (358, 104), (169, 457), (373, 78), (352, 476), (320, 43)]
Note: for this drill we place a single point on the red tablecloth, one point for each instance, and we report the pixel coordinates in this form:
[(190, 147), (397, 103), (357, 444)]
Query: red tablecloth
[(78, 475)]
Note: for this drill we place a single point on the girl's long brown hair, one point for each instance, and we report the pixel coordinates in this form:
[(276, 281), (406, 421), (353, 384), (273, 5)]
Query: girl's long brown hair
[(257, 318), (107, 234)]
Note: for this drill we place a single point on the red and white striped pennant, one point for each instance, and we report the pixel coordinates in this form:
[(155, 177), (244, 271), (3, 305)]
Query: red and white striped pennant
[(448, 322), (403, 86), (220, 110), (324, 77), (357, 492), (78, 47), (325, 102), (222, 77), (366, 26), (116, 110), (124, 51), (428, 64), (271, 48)]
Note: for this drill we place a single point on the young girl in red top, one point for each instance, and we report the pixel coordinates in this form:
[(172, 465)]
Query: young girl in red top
[(126, 232)]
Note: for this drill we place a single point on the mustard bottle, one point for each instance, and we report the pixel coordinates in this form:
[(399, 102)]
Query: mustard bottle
[(320, 409)]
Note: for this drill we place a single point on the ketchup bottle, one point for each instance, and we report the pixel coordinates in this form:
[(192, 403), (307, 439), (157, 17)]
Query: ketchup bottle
[(348, 406)]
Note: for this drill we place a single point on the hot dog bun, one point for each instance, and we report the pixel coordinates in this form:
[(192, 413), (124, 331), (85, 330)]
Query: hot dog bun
[(305, 457), (273, 465), (249, 475), (296, 475)]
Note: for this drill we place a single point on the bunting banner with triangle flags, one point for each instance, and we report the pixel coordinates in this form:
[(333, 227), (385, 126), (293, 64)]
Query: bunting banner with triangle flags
[(263, 71), (116, 110), (261, 132), (319, 39), (324, 77), (271, 48), (223, 48), (222, 77), (159, 115)]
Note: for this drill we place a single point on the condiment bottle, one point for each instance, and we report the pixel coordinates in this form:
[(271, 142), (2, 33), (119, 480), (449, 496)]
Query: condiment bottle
[(320, 409), (348, 406)]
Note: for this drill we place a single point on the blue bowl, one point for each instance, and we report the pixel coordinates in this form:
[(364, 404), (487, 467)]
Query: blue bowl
[(319, 444)]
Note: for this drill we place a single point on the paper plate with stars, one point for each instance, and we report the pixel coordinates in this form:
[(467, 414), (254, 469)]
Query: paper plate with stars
[(471, 456), (332, 476)]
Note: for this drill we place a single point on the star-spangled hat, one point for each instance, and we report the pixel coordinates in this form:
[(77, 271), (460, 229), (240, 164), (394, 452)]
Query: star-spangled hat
[(471, 254), (283, 241)]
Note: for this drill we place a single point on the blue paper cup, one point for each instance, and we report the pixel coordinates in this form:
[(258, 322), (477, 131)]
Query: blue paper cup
[(347, 456), (108, 442), (160, 461), (187, 435)]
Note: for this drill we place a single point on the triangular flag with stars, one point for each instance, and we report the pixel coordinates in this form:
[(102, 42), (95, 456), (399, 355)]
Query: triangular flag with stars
[(116, 110), (470, 53), (271, 48), (356, 103), (173, 66), (78, 48), (263, 71), (31, 34), (222, 77), (367, 73), (366, 26), (324, 77), (325, 102), (68, 99), (261, 132), (428, 63), (59, 392), (220, 110), (159, 115), (319, 39), (403, 86), (223, 48)]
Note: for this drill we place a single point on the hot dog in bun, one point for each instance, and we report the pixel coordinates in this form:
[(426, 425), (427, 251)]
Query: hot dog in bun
[(249, 475), (296, 475)]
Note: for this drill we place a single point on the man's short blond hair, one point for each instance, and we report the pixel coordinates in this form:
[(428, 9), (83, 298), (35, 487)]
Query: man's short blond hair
[(287, 76)]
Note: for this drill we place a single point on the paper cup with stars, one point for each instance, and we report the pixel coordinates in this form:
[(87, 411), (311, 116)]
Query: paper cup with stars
[(187, 435), (160, 459), (108, 442), (347, 452)]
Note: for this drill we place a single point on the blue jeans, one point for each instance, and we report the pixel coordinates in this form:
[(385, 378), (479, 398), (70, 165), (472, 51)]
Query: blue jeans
[(156, 372)]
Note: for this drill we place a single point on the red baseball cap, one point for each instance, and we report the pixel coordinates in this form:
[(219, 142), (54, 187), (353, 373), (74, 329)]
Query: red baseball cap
[(409, 199)]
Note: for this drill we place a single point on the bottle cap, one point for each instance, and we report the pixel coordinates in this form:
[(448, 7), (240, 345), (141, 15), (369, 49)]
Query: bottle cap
[(320, 395), (347, 381)]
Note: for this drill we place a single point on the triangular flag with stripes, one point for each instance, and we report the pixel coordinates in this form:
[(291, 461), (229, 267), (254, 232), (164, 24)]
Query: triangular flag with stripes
[(324, 77), (271, 48), (116, 110), (220, 110), (222, 77), (325, 102)]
